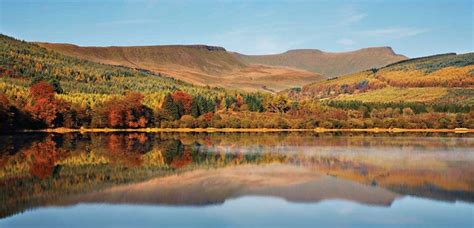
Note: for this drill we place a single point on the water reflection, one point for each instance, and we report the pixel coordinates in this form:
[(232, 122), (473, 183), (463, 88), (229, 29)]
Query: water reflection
[(39, 170)]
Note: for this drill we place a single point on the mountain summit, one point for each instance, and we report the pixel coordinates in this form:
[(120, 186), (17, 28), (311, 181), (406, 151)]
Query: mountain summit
[(329, 64)]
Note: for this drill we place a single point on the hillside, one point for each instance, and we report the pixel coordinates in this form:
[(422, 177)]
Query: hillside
[(80, 81), (327, 63), (446, 78), (197, 64), (41, 88)]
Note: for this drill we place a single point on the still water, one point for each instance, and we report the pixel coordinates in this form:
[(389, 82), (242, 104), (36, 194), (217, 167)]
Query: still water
[(238, 179)]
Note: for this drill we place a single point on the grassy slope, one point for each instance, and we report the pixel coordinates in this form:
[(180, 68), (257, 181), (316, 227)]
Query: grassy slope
[(443, 78), (326, 63), (82, 81), (197, 64)]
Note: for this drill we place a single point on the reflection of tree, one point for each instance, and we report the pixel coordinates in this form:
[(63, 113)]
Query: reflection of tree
[(182, 160), (100, 160), (11, 144), (127, 149), (353, 140), (172, 149), (42, 157)]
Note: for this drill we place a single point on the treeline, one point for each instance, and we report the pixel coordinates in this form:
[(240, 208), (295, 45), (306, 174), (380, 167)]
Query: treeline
[(447, 71), (415, 107), (183, 110), (45, 109), (433, 63)]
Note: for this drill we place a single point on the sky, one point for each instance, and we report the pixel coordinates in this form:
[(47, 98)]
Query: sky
[(411, 27)]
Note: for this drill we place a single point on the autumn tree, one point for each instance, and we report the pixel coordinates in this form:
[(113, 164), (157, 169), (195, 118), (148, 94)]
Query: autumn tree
[(42, 90), (278, 104), (183, 99), (123, 112), (137, 115), (44, 106)]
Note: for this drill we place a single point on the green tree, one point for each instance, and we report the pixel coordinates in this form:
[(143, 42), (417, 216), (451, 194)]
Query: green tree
[(195, 109), (170, 108)]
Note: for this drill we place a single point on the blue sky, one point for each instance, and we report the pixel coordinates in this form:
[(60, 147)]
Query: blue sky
[(412, 27)]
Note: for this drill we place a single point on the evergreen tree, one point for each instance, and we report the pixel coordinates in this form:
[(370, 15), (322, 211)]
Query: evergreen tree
[(195, 109), (170, 108), (254, 103), (57, 87)]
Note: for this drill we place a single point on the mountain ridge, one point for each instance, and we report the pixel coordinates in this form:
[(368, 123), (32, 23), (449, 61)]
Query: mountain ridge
[(329, 64), (215, 66), (197, 64), (197, 46), (387, 48)]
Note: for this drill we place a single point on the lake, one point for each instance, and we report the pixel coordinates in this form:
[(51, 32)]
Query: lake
[(236, 179)]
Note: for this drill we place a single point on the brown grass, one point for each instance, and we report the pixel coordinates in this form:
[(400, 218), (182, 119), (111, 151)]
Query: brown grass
[(197, 64)]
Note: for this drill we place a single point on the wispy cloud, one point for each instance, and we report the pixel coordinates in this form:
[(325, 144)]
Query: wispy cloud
[(393, 32), (262, 37), (350, 14), (258, 38)]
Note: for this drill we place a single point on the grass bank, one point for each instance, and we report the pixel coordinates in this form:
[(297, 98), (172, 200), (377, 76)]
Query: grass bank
[(210, 130)]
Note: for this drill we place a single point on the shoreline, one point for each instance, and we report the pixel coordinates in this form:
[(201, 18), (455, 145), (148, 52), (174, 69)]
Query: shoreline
[(244, 130)]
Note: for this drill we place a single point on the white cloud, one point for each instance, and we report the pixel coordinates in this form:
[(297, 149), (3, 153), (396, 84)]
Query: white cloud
[(346, 41), (394, 32)]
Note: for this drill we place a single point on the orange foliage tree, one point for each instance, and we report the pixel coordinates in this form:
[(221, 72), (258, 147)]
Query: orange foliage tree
[(45, 107), (126, 112), (183, 99)]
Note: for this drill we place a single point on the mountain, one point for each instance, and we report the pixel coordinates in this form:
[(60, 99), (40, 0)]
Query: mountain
[(328, 64), (23, 62), (210, 187), (442, 79), (197, 64)]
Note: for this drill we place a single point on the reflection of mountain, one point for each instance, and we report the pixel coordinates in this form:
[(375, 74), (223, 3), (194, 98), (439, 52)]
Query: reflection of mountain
[(37, 171), (203, 187)]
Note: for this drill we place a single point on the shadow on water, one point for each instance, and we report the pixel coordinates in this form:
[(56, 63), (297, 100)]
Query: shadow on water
[(38, 170)]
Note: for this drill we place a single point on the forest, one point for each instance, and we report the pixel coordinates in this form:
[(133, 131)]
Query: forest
[(43, 89)]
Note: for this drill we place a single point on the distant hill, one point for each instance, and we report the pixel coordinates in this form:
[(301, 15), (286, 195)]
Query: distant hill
[(197, 64), (82, 82), (327, 63), (446, 78)]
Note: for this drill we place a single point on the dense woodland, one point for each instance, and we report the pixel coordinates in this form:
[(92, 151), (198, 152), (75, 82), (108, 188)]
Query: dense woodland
[(451, 72), (43, 89)]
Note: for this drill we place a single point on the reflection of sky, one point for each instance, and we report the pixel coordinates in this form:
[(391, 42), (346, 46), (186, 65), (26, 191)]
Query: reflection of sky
[(252, 211)]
